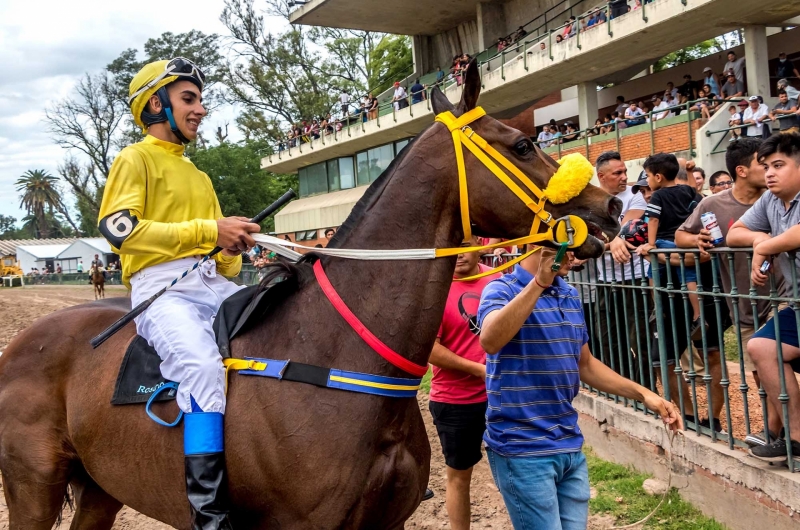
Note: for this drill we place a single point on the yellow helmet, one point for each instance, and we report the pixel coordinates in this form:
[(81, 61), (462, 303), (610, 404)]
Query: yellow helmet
[(154, 76)]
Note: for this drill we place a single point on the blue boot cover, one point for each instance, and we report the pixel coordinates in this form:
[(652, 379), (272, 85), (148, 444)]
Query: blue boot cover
[(203, 433)]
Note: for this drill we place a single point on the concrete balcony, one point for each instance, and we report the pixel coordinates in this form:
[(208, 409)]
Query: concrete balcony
[(637, 38)]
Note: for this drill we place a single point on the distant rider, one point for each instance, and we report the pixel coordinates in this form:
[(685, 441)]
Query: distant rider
[(160, 214)]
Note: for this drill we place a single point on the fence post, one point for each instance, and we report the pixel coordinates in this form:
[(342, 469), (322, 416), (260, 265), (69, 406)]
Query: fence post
[(652, 134), (616, 131), (689, 125), (660, 329)]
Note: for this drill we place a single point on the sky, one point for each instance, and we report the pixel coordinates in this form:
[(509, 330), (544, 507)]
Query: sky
[(47, 46)]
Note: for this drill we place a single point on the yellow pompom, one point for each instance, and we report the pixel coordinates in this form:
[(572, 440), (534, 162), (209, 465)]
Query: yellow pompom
[(570, 179)]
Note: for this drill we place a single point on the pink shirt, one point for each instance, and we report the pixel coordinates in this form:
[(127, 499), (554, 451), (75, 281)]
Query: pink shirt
[(459, 334)]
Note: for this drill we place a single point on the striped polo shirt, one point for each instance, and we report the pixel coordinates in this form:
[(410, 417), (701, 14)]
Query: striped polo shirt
[(531, 381)]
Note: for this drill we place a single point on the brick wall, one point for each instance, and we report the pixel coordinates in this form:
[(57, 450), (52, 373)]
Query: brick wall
[(635, 145)]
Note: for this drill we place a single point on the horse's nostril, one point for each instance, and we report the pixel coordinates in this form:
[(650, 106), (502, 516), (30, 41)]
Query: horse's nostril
[(614, 207)]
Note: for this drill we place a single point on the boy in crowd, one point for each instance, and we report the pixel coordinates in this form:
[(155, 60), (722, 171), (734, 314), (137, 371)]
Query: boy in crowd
[(729, 206), (458, 387), (533, 331), (776, 212), (670, 205), (719, 181)]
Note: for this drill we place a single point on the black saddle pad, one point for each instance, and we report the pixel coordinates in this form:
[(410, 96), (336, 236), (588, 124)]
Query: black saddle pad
[(139, 374)]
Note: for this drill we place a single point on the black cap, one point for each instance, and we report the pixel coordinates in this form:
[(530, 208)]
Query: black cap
[(642, 182)]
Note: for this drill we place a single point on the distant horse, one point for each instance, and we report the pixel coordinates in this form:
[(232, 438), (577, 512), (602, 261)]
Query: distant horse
[(98, 279), (298, 456)]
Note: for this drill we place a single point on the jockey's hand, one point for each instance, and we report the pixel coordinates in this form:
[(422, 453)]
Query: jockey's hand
[(233, 235)]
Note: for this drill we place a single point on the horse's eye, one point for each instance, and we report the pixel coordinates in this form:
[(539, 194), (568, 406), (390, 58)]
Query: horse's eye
[(523, 148)]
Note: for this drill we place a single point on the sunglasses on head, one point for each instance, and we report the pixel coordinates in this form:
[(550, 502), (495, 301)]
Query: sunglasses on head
[(178, 66)]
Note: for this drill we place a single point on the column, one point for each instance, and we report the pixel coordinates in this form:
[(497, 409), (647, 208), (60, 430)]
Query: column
[(491, 23), (757, 55), (587, 104)]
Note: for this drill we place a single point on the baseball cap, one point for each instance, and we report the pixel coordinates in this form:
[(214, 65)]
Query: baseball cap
[(657, 96), (753, 98), (641, 183), (708, 69)]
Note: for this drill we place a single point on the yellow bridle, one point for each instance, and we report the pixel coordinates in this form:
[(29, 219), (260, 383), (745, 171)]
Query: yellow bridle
[(570, 179)]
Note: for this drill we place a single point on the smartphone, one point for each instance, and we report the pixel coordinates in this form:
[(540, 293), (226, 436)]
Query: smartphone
[(765, 267)]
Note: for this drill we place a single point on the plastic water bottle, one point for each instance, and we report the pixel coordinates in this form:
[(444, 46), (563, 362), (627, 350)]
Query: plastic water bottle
[(709, 221)]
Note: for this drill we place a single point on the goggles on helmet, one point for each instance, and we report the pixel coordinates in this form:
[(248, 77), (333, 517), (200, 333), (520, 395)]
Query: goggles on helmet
[(176, 67)]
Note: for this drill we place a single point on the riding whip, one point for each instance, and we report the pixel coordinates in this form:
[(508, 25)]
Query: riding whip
[(141, 308)]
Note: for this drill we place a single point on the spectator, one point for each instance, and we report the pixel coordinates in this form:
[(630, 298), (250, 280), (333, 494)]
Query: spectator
[(79, 267), (329, 233), (619, 121), (729, 206), (791, 91), (372, 107), (660, 105), (777, 213), (786, 67), (439, 75), (719, 182), (701, 105), (754, 116), (673, 92), (643, 187), (400, 98), (557, 134), (571, 133), (670, 205), (688, 88), (737, 65), (617, 267), (634, 115), (736, 112), (545, 137), (710, 79), (458, 389), (699, 176), (617, 8), (600, 16), (501, 44), (344, 102), (417, 92), (598, 127), (785, 113), (621, 105), (533, 318), (520, 33), (559, 38), (608, 125), (365, 107), (733, 88), (573, 26), (643, 108)]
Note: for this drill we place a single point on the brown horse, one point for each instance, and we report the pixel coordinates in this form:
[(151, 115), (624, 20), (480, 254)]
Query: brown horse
[(298, 456), (98, 279)]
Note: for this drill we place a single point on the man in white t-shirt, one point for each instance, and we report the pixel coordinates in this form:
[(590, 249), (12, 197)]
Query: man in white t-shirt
[(344, 101), (660, 105), (614, 322), (754, 116), (400, 98)]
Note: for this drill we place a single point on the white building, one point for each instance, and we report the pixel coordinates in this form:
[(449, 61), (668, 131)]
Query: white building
[(41, 257), (84, 249)]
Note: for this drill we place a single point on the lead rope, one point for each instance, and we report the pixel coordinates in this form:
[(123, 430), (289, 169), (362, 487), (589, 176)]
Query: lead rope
[(670, 437)]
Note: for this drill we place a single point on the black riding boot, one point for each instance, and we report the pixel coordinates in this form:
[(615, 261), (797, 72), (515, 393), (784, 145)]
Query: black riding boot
[(206, 480)]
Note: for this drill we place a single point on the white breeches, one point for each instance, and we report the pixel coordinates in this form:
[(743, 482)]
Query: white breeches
[(178, 326)]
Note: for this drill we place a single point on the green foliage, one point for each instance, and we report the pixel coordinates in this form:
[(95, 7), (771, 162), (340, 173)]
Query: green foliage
[(425, 386), (242, 187), (391, 61), (39, 196), (690, 53), (620, 494)]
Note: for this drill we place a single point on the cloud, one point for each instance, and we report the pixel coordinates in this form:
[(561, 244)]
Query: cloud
[(48, 46)]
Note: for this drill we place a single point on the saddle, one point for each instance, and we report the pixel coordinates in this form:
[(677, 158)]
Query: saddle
[(139, 374)]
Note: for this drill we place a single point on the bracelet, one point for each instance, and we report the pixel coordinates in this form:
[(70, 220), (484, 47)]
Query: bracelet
[(540, 285)]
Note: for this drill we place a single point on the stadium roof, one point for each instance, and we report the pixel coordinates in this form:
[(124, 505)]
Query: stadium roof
[(8, 247)]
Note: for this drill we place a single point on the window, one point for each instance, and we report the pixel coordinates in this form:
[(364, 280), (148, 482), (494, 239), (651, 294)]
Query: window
[(302, 176), (379, 160), (334, 183), (362, 161), (347, 174), (306, 235), (317, 179), (398, 146)]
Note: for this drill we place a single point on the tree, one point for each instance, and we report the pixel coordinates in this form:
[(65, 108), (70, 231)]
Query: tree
[(391, 61), (40, 197), (8, 227), (698, 51), (242, 187)]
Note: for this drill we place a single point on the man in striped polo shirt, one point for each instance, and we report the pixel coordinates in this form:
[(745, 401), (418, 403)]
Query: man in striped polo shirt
[(534, 333)]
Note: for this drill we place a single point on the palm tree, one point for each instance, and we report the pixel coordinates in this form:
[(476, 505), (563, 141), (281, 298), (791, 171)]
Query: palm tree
[(39, 196)]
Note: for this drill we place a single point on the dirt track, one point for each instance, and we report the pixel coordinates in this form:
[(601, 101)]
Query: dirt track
[(23, 306)]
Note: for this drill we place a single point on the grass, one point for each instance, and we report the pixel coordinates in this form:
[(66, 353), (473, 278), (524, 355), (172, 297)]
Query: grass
[(425, 386), (620, 494)]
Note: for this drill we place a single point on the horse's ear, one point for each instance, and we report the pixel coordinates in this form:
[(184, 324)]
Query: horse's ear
[(472, 88), (440, 102)]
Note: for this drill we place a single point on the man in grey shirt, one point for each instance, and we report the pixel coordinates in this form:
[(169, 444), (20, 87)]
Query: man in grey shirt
[(785, 113), (777, 213), (732, 88), (737, 65)]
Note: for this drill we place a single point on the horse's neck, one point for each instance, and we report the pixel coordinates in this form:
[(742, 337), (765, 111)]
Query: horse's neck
[(402, 301)]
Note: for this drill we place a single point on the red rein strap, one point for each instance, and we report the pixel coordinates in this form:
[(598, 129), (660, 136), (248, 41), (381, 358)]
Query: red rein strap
[(374, 342)]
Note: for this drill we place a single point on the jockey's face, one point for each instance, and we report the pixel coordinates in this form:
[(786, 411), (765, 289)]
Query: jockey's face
[(187, 107)]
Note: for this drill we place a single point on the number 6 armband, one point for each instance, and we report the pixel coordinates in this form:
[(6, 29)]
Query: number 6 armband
[(117, 226)]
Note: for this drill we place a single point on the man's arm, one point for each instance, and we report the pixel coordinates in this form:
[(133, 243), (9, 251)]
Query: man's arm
[(785, 242), (620, 249), (741, 236), (599, 376), (442, 357), (501, 325)]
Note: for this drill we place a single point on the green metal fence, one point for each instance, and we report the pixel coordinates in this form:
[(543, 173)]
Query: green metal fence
[(112, 278), (638, 326)]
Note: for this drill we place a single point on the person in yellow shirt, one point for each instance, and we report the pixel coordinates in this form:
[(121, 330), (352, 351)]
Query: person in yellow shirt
[(161, 215)]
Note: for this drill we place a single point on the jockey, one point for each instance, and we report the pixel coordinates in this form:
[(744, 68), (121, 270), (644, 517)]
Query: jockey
[(160, 214)]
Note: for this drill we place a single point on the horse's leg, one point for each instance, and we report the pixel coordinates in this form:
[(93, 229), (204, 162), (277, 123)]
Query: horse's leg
[(95, 509), (35, 481)]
